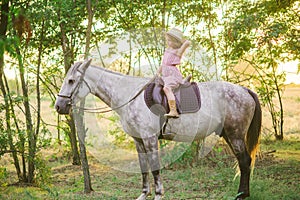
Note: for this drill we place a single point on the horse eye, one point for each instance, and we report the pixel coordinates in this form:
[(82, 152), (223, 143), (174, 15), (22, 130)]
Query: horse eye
[(71, 81)]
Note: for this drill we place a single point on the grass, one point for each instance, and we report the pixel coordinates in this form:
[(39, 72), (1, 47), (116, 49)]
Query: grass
[(275, 177), (289, 149)]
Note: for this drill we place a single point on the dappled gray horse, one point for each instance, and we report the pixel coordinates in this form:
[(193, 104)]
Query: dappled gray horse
[(231, 111)]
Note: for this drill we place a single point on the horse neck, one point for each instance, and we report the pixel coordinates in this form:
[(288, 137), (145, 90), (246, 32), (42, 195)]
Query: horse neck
[(112, 88)]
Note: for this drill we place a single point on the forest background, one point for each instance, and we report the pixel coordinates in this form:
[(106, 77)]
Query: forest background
[(41, 39)]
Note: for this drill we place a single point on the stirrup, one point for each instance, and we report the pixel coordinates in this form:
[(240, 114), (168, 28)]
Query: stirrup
[(171, 116)]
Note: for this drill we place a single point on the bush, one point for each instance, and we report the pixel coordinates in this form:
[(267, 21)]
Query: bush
[(3, 176), (43, 172)]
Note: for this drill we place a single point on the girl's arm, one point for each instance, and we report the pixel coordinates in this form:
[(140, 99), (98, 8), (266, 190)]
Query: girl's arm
[(183, 47), (158, 72)]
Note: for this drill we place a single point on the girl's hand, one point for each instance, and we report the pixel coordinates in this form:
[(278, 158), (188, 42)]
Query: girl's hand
[(183, 47), (187, 42)]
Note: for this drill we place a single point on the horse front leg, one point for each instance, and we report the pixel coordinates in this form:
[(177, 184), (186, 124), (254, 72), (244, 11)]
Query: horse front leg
[(146, 187), (143, 160), (151, 145), (158, 185)]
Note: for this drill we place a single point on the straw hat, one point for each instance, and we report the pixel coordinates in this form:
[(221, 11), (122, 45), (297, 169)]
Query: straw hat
[(175, 33)]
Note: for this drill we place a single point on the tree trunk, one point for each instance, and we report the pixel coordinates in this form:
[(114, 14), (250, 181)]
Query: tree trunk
[(68, 60), (38, 97), (81, 133), (29, 126), (73, 141), (279, 136), (5, 93), (79, 115), (23, 178), (8, 126)]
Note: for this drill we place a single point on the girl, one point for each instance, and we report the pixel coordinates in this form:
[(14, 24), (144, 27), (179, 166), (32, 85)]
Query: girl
[(171, 75)]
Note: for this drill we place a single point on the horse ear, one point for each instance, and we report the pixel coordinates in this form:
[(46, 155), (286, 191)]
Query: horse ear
[(86, 63)]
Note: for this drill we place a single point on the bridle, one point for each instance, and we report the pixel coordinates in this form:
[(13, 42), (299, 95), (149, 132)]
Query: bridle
[(75, 91), (100, 109)]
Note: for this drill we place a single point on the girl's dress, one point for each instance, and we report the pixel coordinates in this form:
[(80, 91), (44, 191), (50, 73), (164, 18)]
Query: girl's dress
[(171, 75)]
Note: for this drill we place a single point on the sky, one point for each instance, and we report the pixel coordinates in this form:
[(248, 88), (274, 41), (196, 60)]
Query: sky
[(291, 69)]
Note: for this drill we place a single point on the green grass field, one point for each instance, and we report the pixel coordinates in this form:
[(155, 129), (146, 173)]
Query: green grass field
[(275, 177)]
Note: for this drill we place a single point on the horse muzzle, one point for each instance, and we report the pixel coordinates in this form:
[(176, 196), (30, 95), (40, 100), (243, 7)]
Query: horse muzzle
[(63, 105)]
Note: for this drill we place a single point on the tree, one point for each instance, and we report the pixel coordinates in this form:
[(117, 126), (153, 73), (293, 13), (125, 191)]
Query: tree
[(260, 34), (19, 29), (5, 91), (79, 114)]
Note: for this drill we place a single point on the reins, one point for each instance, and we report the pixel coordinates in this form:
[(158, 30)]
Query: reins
[(98, 110)]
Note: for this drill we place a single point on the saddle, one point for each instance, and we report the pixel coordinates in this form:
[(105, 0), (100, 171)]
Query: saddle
[(187, 97)]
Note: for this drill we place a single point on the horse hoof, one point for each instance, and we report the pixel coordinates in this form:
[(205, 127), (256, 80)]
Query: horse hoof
[(143, 196), (158, 197), (240, 198)]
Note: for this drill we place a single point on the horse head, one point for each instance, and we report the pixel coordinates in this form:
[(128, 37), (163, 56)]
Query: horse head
[(74, 87)]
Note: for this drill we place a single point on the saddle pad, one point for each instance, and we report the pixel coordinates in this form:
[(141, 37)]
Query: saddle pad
[(187, 98)]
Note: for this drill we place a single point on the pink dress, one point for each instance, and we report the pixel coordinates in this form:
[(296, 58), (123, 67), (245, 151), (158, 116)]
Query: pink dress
[(171, 75)]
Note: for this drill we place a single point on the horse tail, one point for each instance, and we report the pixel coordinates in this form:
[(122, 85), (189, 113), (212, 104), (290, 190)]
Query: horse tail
[(253, 134)]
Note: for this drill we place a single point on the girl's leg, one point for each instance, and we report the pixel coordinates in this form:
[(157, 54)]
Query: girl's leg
[(172, 103), (169, 93)]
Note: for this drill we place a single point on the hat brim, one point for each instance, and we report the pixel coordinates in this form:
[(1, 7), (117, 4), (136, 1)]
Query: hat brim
[(174, 36)]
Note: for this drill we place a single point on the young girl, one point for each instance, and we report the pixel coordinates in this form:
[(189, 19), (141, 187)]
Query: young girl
[(171, 75)]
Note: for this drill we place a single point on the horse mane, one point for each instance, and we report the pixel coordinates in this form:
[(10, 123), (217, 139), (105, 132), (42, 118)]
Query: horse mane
[(107, 70), (115, 73)]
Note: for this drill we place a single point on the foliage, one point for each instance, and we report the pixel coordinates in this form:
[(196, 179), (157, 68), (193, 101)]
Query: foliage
[(3, 137), (257, 37), (178, 155), (43, 176), (121, 139), (3, 176)]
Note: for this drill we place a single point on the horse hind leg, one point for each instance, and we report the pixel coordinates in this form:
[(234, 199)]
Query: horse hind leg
[(238, 147), (244, 162)]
